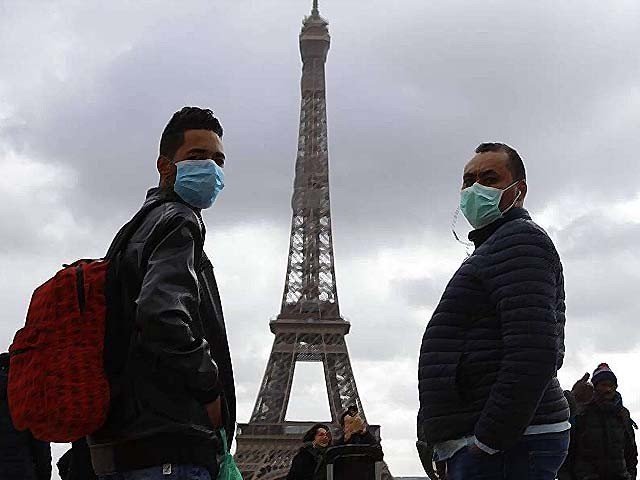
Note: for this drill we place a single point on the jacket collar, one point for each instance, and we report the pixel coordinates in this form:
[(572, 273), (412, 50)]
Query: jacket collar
[(312, 449), (478, 237), (157, 193), (609, 407)]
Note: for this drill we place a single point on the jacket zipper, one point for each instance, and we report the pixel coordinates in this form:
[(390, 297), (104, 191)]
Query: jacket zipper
[(80, 287)]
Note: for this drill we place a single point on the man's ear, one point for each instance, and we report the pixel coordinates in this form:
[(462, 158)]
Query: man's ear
[(164, 166), (167, 171), (522, 188)]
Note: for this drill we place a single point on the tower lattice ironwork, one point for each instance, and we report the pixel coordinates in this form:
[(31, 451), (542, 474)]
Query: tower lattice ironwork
[(309, 327)]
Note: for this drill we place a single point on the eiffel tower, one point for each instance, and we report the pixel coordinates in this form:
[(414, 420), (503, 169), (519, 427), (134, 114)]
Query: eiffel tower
[(309, 327)]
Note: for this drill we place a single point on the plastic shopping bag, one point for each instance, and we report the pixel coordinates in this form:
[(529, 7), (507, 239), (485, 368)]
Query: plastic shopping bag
[(228, 469)]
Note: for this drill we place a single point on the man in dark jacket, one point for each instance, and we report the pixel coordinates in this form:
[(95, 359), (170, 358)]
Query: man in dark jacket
[(490, 402), (168, 355), (22, 457), (603, 445)]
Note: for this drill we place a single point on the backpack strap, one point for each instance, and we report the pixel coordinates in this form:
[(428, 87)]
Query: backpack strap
[(126, 232)]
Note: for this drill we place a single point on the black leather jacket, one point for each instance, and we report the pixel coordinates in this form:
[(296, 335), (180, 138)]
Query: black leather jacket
[(168, 356)]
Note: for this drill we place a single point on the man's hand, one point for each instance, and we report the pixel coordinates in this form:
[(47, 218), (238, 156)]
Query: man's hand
[(214, 410), (425, 452), (441, 470), (476, 450), (582, 390)]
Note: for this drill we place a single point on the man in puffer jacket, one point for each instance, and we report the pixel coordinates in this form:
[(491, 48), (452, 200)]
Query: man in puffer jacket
[(603, 442), (22, 457), (490, 402)]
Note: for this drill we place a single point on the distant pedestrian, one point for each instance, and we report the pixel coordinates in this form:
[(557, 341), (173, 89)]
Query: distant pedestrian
[(309, 463), (603, 445), (490, 402), (578, 398), (22, 457)]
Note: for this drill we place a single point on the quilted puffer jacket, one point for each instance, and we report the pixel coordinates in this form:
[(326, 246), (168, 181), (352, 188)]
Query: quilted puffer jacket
[(168, 356), (490, 354)]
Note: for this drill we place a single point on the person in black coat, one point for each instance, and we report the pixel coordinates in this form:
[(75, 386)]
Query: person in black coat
[(22, 457), (603, 443), (490, 354), (309, 463), (578, 398)]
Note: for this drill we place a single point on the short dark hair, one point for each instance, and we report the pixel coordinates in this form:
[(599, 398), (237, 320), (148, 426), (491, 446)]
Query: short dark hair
[(516, 165), (310, 434), (188, 118)]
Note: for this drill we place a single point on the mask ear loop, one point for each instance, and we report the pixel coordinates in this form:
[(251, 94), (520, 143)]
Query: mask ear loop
[(468, 245), (515, 199)]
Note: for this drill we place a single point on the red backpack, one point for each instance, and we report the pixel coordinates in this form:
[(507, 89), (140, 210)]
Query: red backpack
[(58, 387)]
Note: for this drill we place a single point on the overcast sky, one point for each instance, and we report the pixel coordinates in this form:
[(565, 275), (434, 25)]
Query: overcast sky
[(86, 88)]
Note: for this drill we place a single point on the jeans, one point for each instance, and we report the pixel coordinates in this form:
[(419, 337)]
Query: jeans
[(162, 472), (534, 457)]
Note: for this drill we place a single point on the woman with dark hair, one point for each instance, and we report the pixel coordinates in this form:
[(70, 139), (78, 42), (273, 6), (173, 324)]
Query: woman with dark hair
[(309, 462)]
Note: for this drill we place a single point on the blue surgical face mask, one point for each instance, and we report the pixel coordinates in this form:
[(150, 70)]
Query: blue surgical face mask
[(198, 182), (481, 205)]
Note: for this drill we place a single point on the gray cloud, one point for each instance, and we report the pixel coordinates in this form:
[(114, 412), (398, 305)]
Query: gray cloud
[(408, 100), (601, 272)]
